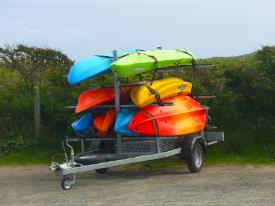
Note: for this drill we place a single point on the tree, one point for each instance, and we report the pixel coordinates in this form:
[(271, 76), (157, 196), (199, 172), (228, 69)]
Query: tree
[(266, 57), (32, 63)]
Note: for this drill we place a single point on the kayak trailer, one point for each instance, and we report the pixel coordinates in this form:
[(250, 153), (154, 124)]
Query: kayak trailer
[(127, 150)]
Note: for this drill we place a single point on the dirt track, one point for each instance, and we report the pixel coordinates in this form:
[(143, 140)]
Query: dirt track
[(219, 185)]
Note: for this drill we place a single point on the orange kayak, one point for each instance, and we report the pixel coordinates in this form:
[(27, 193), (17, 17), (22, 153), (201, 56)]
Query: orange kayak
[(95, 97), (103, 122), (185, 116)]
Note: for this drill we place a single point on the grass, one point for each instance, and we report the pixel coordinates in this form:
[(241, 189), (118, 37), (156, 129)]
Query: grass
[(29, 157), (25, 158), (238, 159), (248, 155), (210, 159), (215, 156)]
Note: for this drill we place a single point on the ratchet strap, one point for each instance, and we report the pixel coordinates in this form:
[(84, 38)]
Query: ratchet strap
[(193, 62), (154, 92), (188, 53), (156, 66), (154, 122), (124, 55)]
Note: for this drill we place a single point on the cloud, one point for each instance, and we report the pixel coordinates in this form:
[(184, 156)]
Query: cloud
[(83, 27), (77, 32), (28, 31)]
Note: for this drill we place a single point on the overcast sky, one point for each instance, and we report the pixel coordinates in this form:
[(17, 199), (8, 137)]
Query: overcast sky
[(84, 27)]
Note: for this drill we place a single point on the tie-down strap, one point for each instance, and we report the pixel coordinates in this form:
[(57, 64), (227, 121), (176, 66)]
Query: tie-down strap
[(154, 92)]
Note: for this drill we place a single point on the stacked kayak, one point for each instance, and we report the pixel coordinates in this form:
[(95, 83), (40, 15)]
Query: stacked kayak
[(83, 126), (123, 120), (158, 90), (104, 122), (94, 66), (145, 61), (185, 116), (95, 97), (163, 107)]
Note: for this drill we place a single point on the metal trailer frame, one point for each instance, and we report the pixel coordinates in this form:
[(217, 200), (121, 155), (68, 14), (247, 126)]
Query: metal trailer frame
[(69, 168)]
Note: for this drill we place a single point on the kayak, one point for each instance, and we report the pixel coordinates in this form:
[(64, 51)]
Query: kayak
[(123, 119), (145, 61), (83, 125), (185, 116), (103, 122), (93, 66), (95, 97), (168, 87)]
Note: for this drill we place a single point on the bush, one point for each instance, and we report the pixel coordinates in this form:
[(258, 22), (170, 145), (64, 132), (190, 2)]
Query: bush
[(14, 143)]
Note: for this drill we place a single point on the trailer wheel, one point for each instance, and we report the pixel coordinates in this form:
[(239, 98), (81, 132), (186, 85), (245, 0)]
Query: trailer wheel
[(101, 171), (195, 160), (66, 183)]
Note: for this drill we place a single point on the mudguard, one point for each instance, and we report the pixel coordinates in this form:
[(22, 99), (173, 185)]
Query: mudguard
[(188, 141)]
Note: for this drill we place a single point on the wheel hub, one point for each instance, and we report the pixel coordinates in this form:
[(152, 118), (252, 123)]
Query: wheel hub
[(67, 184), (197, 157)]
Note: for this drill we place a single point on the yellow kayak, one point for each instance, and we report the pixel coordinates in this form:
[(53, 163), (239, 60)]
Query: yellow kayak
[(160, 89)]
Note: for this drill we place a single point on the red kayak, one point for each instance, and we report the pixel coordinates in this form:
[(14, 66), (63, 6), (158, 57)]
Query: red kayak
[(95, 97), (103, 122), (185, 116)]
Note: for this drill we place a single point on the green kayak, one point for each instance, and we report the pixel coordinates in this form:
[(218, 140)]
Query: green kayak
[(146, 61)]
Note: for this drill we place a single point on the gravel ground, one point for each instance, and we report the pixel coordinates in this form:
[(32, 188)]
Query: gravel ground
[(215, 185)]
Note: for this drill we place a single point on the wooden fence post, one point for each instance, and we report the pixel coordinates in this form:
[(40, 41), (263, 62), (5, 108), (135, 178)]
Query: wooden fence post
[(37, 116)]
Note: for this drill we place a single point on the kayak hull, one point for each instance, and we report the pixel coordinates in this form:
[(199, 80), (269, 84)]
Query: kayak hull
[(146, 61), (184, 117), (83, 125), (104, 122), (123, 120), (95, 97), (87, 68), (166, 88), (93, 66)]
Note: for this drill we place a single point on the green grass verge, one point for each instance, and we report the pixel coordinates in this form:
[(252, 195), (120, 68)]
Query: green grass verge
[(210, 159), (215, 156), (248, 155), (26, 158), (238, 159)]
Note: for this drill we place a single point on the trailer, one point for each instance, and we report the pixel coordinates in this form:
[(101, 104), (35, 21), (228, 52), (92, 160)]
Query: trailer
[(127, 150)]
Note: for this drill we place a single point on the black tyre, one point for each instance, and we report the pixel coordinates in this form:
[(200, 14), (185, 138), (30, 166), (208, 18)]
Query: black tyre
[(66, 183), (195, 160), (101, 171)]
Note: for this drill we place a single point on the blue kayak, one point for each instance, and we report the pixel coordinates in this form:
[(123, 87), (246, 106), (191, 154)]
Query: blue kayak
[(123, 119), (83, 126), (94, 66)]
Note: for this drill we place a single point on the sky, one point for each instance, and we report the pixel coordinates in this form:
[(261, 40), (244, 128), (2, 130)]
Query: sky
[(81, 28)]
